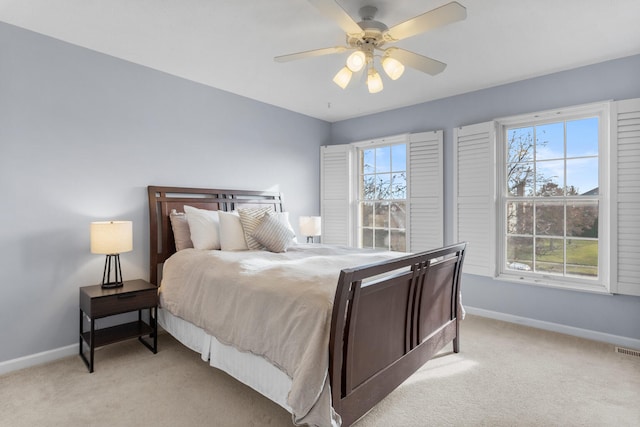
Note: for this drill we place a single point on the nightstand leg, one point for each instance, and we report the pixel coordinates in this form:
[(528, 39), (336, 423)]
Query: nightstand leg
[(91, 344), (81, 345), (80, 335), (154, 325)]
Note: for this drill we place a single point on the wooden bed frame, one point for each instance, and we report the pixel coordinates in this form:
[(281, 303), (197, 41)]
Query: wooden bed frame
[(388, 319)]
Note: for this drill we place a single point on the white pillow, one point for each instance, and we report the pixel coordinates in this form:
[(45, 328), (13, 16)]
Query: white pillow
[(273, 234), (250, 219), (181, 233), (231, 232), (204, 226)]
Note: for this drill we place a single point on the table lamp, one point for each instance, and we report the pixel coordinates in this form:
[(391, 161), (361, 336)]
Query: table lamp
[(111, 238), (310, 226)]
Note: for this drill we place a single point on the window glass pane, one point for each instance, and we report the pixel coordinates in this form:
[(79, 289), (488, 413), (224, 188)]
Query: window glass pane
[(550, 219), (550, 141), (550, 178), (550, 255), (369, 187), (398, 214), (383, 186), (398, 240), (383, 193), (399, 185), (582, 137), (520, 179), (381, 215), (367, 214), (582, 219), (382, 239), (582, 257), (399, 157), (368, 161), (383, 159), (367, 238), (520, 253), (582, 176), (520, 218), (520, 145)]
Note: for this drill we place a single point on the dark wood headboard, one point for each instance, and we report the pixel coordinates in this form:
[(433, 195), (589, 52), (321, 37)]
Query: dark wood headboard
[(162, 200)]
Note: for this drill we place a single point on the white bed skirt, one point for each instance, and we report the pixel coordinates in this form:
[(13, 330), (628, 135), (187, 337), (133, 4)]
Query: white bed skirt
[(247, 368)]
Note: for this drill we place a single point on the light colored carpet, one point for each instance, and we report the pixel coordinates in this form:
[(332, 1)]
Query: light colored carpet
[(505, 375)]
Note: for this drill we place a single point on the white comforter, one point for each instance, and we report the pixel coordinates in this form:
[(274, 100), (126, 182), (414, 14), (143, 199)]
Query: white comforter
[(277, 306)]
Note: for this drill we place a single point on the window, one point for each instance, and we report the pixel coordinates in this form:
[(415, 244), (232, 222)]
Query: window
[(385, 193), (382, 197), (541, 201), (551, 198), (552, 205)]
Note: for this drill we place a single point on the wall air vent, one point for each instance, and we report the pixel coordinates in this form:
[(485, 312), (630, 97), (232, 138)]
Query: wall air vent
[(628, 351)]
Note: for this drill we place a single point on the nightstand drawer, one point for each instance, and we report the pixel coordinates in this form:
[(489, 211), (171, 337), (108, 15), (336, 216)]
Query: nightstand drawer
[(123, 302)]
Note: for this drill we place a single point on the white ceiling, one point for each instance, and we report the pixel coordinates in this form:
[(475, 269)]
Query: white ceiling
[(230, 44)]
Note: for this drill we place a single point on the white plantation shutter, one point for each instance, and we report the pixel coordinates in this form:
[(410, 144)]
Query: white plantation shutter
[(475, 196), (426, 188), (625, 174), (335, 194)]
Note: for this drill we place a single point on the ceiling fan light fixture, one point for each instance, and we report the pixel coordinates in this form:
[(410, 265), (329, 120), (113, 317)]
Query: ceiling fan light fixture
[(343, 77), (392, 67), (374, 81), (356, 61)]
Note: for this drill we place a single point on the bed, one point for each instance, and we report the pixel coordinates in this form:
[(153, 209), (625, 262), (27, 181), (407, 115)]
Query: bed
[(385, 314)]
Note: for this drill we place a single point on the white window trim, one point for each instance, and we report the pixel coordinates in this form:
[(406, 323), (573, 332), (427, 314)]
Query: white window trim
[(602, 284)]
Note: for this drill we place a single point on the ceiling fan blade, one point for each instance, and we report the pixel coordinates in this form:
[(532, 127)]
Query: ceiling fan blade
[(310, 54), (333, 10), (418, 62), (443, 15)]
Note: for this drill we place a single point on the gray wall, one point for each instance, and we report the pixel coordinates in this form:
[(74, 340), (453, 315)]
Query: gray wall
[(81, 136), (619, 79)]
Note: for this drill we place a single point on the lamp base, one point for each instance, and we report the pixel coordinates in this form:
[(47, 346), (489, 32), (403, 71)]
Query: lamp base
[(106, 274), (112, 285)]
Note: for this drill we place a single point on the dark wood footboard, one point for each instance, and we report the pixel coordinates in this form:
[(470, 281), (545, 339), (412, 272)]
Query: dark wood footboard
[(384, 328)]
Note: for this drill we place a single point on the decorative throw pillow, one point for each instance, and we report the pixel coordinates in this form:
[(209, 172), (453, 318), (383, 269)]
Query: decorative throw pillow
[(204, 226), (273, 234), (231, 232), (250, 219), (181, 232), (284, 218)]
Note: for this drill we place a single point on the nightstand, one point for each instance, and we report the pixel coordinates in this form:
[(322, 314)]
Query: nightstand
[(96, 303)]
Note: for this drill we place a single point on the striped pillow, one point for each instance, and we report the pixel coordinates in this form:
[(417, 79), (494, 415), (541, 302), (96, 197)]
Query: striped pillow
[(273, 234), (250, 218)]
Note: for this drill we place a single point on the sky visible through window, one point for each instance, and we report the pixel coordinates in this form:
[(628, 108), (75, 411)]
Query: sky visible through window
[(580, 140)]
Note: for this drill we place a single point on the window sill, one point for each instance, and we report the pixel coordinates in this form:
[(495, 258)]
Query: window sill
[(596, 288)]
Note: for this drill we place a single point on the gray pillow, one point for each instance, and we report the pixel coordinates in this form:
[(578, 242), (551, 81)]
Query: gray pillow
[(273, 234)]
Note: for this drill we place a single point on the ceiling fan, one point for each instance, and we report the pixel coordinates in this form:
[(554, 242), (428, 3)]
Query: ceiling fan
[(367, 38)]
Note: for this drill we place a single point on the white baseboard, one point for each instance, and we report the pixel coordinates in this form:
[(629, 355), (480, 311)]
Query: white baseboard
[(70, 350), (556, 327), (38, 358)]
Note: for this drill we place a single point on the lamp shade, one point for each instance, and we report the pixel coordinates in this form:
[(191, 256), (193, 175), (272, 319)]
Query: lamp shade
[(343, 77), (310, 225), (374, 81), (356, 61), (392, 67), (111, 237)]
